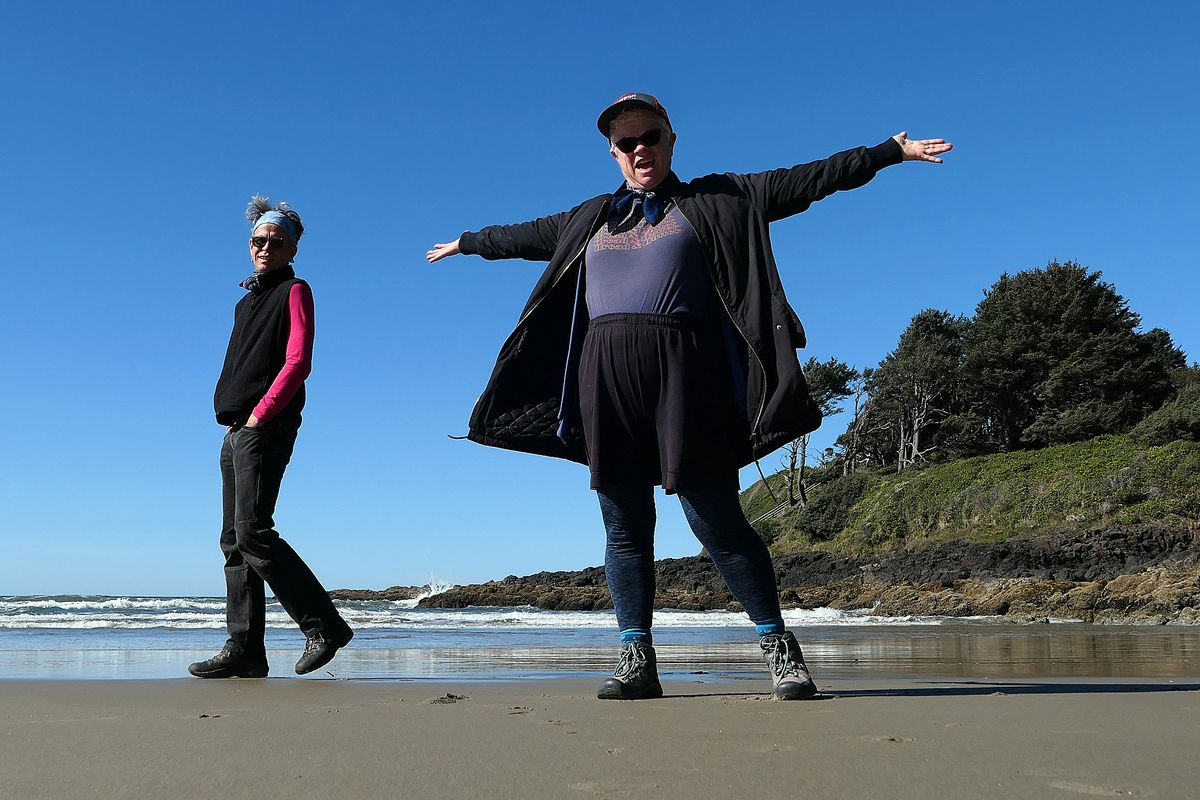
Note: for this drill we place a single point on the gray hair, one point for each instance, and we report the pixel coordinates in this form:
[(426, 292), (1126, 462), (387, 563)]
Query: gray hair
[(260, 205)]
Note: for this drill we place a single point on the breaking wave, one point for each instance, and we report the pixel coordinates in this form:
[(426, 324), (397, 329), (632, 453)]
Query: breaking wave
[(79, 612)]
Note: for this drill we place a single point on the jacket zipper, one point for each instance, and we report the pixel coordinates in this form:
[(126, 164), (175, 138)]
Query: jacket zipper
[(567, 269), (554, 283), (762, 402)]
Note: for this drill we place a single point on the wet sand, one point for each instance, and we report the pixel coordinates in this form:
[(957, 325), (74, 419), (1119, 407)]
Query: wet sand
[(951, 649), (892, 737)]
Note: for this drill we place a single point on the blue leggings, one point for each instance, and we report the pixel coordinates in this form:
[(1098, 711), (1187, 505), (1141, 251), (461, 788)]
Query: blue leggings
[(716, 519)]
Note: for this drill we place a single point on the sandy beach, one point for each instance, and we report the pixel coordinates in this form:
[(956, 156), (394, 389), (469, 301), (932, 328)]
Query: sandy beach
[(888, 738)]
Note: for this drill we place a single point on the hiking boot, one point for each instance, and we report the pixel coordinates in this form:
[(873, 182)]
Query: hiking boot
[(319, 650), (789, 673), (636, 675), (230, 663)]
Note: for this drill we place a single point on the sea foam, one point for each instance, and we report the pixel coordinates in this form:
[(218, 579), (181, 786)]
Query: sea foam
[(195, 613)]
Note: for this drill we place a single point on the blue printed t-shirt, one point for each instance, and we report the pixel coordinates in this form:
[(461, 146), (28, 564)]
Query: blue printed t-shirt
[(647, 269)]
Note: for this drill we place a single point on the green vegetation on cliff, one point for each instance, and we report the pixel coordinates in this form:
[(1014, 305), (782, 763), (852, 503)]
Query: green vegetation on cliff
[(1109, 480)]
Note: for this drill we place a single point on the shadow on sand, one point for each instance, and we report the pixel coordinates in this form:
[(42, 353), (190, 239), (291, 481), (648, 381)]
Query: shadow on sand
[(975, 689)]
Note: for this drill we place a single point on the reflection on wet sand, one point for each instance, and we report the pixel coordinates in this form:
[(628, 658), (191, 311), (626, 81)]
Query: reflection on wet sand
[(950, 650), (945, 650), (1043, 651)]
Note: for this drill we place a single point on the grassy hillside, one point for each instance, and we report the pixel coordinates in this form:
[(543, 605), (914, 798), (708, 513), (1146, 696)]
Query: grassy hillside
[(1110, 480)]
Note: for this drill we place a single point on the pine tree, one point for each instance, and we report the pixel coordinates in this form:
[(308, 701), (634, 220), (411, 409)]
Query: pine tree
[(1054, 355)]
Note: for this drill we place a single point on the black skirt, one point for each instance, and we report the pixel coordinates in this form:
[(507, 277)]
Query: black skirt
[(657, 404)]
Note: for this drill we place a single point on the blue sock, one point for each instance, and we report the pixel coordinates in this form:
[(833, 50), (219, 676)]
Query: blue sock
[(639, 634), (771, 626)]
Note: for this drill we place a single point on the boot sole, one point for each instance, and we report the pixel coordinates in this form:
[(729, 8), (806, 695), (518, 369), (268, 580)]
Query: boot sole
[(320, 662), (804, 691), (220, 673), (612, 693)]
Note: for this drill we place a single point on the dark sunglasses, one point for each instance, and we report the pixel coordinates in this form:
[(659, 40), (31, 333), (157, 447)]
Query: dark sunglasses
[(262, 241), (630, 143)]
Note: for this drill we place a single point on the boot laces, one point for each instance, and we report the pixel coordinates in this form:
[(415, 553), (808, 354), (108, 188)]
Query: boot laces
[(780, 658), (632, 662), (313, 643)]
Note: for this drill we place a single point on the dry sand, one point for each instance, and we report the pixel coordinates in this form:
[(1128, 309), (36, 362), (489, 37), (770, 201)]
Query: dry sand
[(895, 739)]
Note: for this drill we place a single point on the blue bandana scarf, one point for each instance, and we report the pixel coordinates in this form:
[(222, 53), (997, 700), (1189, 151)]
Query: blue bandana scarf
[(277, 218), (630, 205)]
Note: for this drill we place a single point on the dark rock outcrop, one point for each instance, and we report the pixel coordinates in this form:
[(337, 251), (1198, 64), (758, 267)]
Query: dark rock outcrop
[(1140, 573), (391, 593), (1066, 556)]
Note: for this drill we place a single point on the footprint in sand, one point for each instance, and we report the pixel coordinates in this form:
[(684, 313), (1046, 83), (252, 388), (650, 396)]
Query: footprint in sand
[(590, 787), (448, 698), (1093, 789)]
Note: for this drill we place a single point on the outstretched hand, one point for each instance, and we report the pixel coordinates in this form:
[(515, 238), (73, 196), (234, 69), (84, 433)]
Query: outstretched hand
[(922, 149), (441, 250)]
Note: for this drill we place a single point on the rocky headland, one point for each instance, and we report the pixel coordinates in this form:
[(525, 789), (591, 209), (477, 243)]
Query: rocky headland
[(391, 593), (1135, 574)]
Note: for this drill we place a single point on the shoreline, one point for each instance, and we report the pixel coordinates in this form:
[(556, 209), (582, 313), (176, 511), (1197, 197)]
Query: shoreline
[(899, 739), (950, 648)]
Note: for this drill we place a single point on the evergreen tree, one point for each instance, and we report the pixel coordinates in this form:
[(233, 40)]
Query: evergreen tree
[(828, 384), (916, 389), (1054, 356), (1179, 418), (855, 445)]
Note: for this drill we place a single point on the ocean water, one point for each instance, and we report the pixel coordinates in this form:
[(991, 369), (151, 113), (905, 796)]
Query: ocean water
[(156, 637)]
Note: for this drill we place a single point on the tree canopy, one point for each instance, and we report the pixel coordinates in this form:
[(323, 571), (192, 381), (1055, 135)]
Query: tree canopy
[(1051, 356), (1054, 355)]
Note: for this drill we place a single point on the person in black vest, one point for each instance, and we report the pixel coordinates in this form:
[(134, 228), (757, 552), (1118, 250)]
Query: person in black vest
[(259, 397), (658, 348)]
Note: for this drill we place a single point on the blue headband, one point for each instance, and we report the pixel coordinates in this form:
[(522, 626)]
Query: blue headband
[(278, 218)]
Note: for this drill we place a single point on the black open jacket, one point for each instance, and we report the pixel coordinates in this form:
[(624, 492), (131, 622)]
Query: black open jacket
[(524, 404)]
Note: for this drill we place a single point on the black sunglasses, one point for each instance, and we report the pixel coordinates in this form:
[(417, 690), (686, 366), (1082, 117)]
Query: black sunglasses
[(630, 143), (262, 241)]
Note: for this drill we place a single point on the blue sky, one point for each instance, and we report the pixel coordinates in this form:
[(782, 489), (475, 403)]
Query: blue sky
[(134, 133)]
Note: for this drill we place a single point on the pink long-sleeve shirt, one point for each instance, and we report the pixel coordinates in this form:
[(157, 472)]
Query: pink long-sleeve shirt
[(298, 362)]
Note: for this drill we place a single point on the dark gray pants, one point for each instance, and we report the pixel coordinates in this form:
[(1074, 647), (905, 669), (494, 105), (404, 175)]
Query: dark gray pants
[(252, 464)]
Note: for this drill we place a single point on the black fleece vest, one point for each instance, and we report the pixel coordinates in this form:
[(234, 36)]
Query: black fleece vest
[(257, 350)]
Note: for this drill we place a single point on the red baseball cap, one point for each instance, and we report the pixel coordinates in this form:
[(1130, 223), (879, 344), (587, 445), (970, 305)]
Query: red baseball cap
[(630, 100)]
